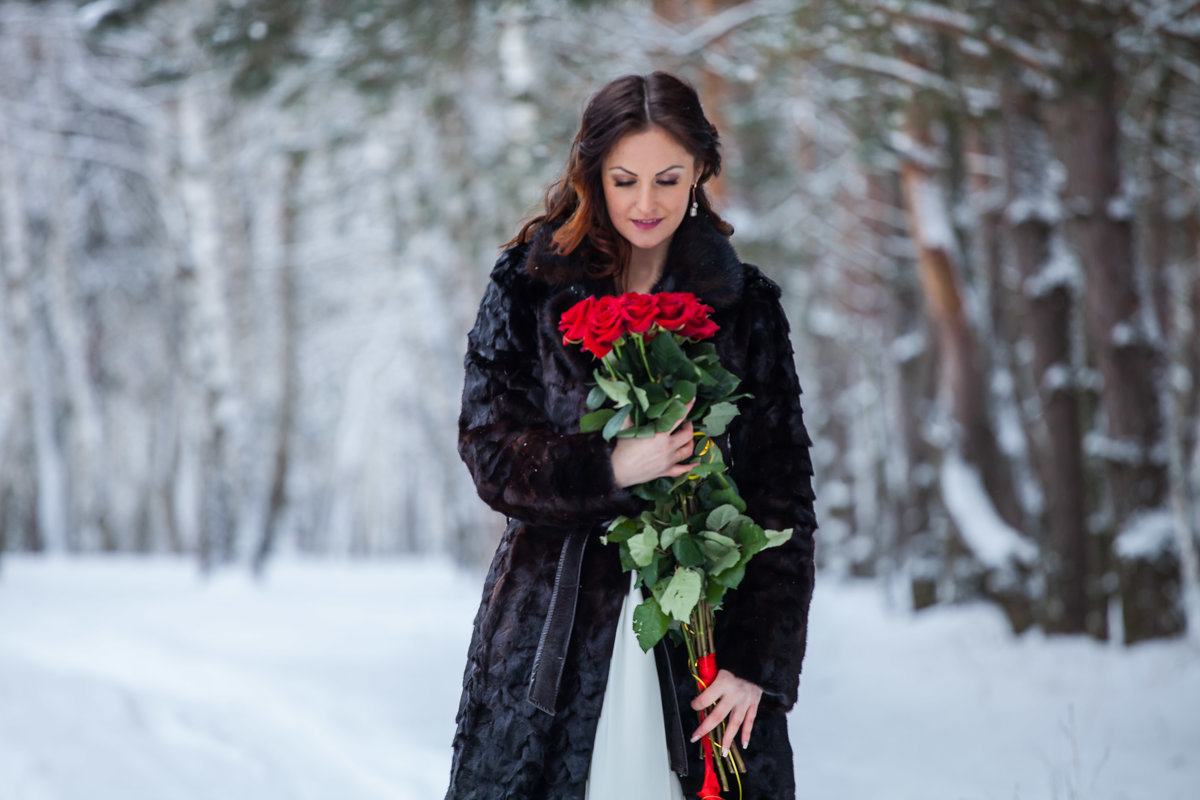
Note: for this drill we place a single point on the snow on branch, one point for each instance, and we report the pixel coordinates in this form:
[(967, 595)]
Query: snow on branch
[(1123, 451), (726, 22), (990, 539), (891, 68), (946, 20), (1147, 535), (928, 158), (1061, 270), (933, 219)]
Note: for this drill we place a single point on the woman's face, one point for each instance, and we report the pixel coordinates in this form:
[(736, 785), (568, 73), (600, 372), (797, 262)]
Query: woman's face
[(648, 178)]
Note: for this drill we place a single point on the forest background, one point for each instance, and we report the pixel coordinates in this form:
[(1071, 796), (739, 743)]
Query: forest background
[(241, 243)]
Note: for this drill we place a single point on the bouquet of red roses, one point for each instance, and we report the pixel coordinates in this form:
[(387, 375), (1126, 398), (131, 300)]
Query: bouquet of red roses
[(694, 543)]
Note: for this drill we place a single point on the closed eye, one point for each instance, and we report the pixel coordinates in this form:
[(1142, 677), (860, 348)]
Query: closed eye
[(673, 182)]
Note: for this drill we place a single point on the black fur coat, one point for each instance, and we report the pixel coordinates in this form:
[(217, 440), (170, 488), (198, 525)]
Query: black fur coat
[(518, 434)]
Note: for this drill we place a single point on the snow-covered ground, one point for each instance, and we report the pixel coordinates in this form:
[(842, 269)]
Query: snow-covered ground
[(132, 679)]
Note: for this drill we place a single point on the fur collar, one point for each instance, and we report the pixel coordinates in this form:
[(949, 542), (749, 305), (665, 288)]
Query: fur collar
[(701, 260)]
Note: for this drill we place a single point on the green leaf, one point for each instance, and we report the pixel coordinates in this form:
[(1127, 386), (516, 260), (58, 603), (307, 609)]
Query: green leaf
[(682, 594), (596, 398), (637, 431), (669, 535), (722, 552), (649, 573), (656, 491), (718, 417), (719, 539), (641, 546), (776, 538), (702, 470), (613, 426), (655, 393), (731, 577), (620, 529), (649, 624), (714, 593), (642, 398), (687, 551), (726, 380), (618, 391), (674, 412), (728, 496), (668, 357), (596, 420), (627, 564), (702, 351), (655, 410), (721, 516), (752, 538), (685, 391)]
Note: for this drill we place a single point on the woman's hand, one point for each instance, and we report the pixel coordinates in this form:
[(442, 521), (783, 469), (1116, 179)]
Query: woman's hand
[(736, 699), (637, 461)]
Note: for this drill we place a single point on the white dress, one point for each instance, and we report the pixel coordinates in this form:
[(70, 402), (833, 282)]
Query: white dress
[(629, 756)]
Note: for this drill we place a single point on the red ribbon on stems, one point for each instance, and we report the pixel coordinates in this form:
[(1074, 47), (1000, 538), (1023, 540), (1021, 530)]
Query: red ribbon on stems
[(710, 789)]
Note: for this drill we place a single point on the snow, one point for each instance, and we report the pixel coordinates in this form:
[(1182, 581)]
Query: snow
[(1060, 270), (931, 214), (989, 537), (908, 346), (1147, 535), (129, 679)]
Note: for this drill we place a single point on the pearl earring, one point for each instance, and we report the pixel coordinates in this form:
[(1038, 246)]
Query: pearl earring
[(695, 202)]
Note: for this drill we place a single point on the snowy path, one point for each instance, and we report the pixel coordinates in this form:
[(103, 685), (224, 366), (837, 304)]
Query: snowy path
[(129, 679)]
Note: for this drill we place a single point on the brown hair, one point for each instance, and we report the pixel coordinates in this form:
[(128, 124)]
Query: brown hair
[(632, 104)]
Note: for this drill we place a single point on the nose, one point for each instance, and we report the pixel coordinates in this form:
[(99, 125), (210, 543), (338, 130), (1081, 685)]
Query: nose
[(645, 200)]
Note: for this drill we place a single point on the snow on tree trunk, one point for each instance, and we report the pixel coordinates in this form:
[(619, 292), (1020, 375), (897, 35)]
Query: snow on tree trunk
[(288, 360), (84, 429), (1126, 354), (209, 349), (1050, 281), (1168, 246), (16, 481), (962, 376)]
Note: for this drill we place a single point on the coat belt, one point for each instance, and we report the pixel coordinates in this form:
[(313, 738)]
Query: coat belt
[(560, 619), (556, 637)]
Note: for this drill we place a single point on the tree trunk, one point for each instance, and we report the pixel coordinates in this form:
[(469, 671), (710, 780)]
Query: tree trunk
[(1048, 284), (288, 361), (15, 268), (1127, 356), (963, 379), (208, 345), (962, 376)]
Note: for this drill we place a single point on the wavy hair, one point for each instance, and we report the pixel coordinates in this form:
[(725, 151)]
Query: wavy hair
[(574, 203)]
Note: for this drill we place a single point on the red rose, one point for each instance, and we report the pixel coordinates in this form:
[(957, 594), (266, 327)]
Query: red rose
[(605, 325), (639, 310), (697, 325), (573, 322), (673, 309)]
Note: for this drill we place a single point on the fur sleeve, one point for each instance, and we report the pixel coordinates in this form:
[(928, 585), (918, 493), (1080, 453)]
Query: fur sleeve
[(522, 466), (763, 629)]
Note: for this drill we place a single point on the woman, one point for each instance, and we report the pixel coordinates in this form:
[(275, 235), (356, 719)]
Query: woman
[(630, 213)]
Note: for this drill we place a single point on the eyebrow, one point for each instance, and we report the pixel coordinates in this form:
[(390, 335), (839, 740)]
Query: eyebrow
[(634, 174)]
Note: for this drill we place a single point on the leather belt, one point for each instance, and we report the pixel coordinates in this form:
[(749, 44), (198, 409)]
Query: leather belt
[(560, 620)]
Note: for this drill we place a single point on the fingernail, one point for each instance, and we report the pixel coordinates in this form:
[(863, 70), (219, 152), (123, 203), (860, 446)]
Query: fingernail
[(724, 752), (695, 739)]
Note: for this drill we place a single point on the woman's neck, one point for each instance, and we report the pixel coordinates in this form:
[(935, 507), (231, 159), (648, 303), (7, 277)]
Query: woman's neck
[(645, 269)]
